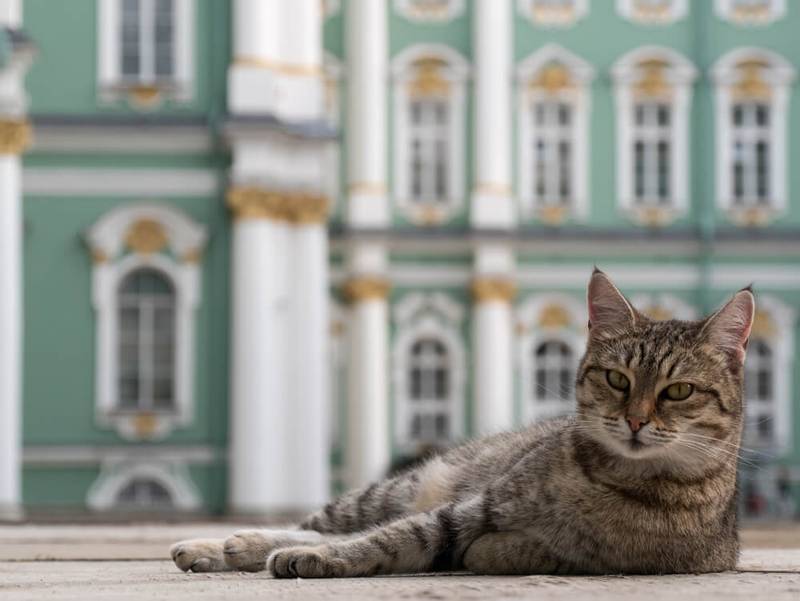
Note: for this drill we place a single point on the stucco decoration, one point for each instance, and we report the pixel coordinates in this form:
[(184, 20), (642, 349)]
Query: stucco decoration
[(15, 136), (126, 239), (115, 475), (430, 10)]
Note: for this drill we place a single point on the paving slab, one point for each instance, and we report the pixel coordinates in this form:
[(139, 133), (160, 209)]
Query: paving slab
[(93, 562)]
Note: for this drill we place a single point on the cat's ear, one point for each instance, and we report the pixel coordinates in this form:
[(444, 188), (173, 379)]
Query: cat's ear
[(729, 328), (607, 307)]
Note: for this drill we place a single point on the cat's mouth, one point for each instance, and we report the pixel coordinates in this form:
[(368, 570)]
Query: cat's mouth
[(634, 444)]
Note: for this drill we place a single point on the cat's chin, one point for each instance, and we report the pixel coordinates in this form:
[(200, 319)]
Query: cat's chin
[(633, 448)]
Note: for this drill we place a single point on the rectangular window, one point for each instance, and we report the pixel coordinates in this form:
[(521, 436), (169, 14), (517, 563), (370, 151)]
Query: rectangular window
[(652, 152), (147, 40), (751, 150), (553, 153), (429, 138)]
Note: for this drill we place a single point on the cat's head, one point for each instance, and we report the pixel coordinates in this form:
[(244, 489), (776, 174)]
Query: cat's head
[(663, 389)]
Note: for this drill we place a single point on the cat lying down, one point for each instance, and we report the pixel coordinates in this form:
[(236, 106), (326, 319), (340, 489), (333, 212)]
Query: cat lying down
[(642, 480)]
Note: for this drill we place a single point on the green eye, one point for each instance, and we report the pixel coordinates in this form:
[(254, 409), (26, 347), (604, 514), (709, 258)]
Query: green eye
[(678, 391), (617, 380)]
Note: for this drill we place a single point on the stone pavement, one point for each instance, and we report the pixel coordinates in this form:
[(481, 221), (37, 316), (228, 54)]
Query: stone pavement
[(86, 562)]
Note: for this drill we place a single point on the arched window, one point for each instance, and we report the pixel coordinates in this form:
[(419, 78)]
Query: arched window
[(429, 391), (752, 97), (554, 371), (759, 394), (144, 494), (653, 92), (429, 121), (553, 115), (146, 308)]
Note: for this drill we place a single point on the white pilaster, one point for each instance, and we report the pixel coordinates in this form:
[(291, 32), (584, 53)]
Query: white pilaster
[(368, 439), (367, 73), (493, 291), (261, 468), (492, 202), (11, 13), (309, 435), (10, 341), (277, 65)]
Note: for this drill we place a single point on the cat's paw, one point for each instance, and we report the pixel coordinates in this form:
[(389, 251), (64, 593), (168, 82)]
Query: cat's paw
[(305, 562), (199, 555), (247, 550)]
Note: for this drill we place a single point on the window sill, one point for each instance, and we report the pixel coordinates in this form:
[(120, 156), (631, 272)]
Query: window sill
[(141, 425), (145, 96), (752, 216)]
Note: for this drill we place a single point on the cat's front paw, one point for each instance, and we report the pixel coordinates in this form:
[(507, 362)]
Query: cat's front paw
[(305, 562), (247, 550), (199, 555)]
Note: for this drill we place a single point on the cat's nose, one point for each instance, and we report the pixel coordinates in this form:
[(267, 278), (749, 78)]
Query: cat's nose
[(636, 423)]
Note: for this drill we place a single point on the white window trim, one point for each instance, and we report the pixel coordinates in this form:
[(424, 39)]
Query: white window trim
[(782, 346), (780, 76), (580, 100), (676, 11), (526, 8), (115, 475), (110, 86), (725, 11), (332, 178), (573, 334), (406, 8), (106, 240), (680, 75), (434, 315), (457, 72), (337, 374)]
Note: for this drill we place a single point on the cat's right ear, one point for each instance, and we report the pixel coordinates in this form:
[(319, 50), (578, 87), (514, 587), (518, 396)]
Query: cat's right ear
[(607, 307)]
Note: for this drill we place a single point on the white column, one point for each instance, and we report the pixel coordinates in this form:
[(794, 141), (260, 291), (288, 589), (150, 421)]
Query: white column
[(368, 443), (492, 204), (261, 467), (11, 13), (10, 340), (367, 81), (309, 435), (493, 290)]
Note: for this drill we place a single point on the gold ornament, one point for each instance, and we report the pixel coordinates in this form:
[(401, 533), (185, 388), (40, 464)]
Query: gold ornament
[(657, 312), (146, 237), (653, 82), (363, 288), (15, 136), (751, 84), (250, 202), (763, 326), (144, 424), (553, 215), (487, 289), (553, 78), (429, 78), (554, 316)]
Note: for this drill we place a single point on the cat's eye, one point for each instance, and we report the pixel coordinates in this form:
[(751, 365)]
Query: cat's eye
[(678, 391), (617, 380)]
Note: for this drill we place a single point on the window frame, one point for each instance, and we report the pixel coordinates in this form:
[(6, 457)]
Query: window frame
[(452, 10), (726, 10), (113, 85), (578, 97), (454, 73), (528, 9), (677, 75), (421, 316), (777, 75), (178, 261), (677, 10)]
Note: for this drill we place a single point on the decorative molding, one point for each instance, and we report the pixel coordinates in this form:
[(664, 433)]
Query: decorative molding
[(652, 13), (251, 202), (284, 68), (146, 237), (488, 289), (115, 475), (762, 76), (48, 181), (553, 15), (750, 13), (366, 288), (654, 74), (84, 455), (15, 136), (663, 306), (438, 11)]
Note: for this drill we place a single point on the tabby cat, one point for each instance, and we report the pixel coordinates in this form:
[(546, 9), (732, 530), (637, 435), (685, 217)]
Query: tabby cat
[(642, 480)]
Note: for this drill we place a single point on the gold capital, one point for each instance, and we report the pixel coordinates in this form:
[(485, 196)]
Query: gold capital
[(487, 289), (251, 202), (15, 136), (363, 288)]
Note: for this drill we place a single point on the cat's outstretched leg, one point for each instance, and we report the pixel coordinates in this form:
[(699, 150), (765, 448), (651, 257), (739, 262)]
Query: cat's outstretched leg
[(423, 542), (199, 555), (512, 553)]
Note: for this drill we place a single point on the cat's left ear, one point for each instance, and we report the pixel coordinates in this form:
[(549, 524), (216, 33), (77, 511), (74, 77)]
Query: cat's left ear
[(729, 328)]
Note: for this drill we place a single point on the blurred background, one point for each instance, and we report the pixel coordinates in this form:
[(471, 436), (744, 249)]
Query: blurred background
[(253, 252)]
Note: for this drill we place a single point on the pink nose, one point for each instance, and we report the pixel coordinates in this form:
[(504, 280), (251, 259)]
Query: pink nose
[(636, 423)]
